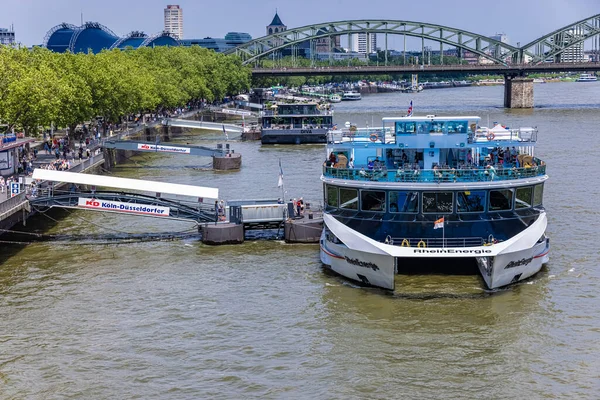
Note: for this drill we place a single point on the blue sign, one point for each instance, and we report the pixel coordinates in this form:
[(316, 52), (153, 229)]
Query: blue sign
[(15, 189)]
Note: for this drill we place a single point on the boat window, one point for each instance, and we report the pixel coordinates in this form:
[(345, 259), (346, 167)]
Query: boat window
[(332, 196), (371, 200), (437, 202), (405, 127), (500, 200), (457, 126), (470, 201), (523, 197), (404, 202), (538, 194), (349, 199), (437, 126), (423, 127)]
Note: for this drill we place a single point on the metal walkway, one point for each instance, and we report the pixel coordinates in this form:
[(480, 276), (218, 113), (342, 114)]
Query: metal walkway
[(165, 148), (126, 203), (213, 126)]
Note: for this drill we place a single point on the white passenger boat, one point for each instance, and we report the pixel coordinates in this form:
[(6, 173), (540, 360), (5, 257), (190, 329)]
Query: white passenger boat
[(296, 123), (431, 191), (351, 96), (587, 78)]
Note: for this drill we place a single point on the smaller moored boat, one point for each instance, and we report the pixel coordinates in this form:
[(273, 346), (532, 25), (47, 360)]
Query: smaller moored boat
[(335, 98)]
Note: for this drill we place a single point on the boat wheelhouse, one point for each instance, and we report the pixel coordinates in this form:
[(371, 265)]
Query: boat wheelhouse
[(296, 123), (427, 189)]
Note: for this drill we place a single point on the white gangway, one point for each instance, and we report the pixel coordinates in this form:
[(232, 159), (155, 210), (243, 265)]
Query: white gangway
[(126, 183)]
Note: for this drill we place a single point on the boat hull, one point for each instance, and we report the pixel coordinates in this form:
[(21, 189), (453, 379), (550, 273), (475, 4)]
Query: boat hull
[(500, 264)]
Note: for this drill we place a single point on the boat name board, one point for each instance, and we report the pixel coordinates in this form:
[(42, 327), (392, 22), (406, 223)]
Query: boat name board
[(450, 251), (360, 263), (306, 131), (521, 262), (163, 149), (128, 208)]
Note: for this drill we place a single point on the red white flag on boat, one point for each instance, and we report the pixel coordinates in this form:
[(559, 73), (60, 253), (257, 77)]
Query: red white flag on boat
[(410, 109), (439, 223)]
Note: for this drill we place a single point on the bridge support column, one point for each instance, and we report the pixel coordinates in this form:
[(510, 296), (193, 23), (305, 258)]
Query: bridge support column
[(518, 92)]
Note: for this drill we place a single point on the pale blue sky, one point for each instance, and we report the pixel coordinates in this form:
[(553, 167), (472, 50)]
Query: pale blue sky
[(521, 20)]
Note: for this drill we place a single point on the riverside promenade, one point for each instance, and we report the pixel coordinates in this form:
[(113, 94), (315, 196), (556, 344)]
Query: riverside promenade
[(16, 209)]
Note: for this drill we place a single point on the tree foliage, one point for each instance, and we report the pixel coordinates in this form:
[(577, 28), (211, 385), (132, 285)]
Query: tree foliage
[(39, 87)]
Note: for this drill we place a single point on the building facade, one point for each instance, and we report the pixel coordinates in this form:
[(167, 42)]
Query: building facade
[(174, 20), (364, 43), (230, 41), (7, 36)]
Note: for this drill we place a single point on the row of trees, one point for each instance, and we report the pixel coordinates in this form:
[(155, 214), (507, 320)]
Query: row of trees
[(39, 87)]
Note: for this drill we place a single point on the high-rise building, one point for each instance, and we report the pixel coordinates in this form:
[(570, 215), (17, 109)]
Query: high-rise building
[(364, 43), (174, 20), (7, 36), (574, 53)]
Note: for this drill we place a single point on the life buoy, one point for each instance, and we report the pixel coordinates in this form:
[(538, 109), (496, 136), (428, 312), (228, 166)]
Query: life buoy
[(373, 137), (491, 136), (422, 244), (405, 243)]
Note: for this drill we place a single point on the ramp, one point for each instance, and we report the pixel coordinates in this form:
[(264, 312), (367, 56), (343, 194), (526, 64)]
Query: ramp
[(126, 183), (213, 126)]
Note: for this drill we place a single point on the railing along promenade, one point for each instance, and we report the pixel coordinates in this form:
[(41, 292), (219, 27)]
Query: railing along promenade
[(439, 175), (510, 69)]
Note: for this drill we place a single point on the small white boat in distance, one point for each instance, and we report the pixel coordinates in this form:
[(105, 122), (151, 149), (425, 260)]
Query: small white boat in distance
[(587, 78), (351, 96), (335, 98)]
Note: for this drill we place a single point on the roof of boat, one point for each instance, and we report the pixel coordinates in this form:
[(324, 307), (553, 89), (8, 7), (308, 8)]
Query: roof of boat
[(432, 118)]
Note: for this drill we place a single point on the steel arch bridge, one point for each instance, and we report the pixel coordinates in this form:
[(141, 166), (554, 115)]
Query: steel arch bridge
[(464, 40), (539, 50), (552, 45)]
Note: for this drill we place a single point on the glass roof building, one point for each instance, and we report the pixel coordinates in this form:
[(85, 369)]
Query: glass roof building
[(231, 40), (94, 37)]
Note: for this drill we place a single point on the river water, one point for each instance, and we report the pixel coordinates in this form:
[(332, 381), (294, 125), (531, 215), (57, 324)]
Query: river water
[(181, 320)]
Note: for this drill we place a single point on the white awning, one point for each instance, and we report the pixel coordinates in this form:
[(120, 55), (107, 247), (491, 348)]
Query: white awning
[(125, 183)]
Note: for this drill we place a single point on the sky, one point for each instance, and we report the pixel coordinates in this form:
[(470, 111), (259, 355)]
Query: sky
[(522, 20)]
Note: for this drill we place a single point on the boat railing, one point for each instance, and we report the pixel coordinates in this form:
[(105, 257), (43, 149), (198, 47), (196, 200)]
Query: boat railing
[(473, 174), (517, 135), (436, 242), (374, 135), (310, 113), (288, 126)]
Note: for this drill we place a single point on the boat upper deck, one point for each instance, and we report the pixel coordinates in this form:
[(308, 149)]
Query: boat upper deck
[(297, 109), (462, 174), (432, 149)]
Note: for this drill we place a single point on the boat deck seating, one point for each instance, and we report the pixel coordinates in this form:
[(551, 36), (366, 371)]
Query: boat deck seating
[(531, 167)]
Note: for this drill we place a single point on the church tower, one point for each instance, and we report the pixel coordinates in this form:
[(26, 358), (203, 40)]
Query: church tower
[(276, 25)]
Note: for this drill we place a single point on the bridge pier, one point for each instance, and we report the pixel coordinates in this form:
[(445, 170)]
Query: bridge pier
[(518, 92)]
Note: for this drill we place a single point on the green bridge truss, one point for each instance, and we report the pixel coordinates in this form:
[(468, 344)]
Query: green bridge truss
[(547, 47)]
